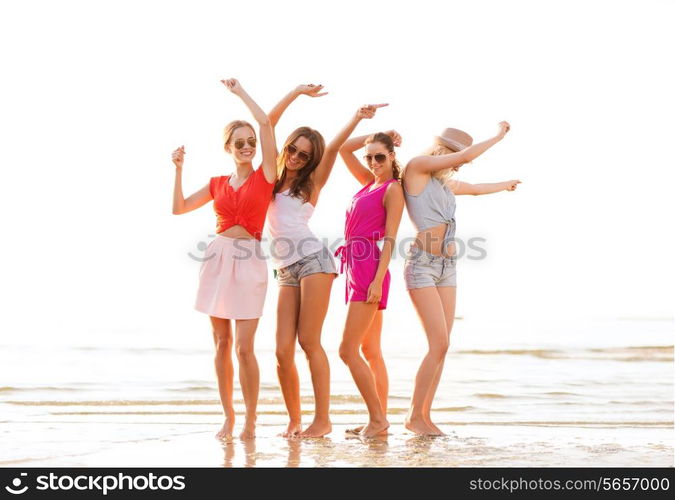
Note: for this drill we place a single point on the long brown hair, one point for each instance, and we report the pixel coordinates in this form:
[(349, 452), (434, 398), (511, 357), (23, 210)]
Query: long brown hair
[(302, 186), (388, 143)]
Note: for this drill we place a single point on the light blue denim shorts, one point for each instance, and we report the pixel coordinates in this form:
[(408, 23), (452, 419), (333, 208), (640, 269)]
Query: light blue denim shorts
[(317, 262), (423, 269)]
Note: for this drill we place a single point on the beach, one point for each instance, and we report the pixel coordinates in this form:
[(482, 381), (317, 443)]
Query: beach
[(514, 393)]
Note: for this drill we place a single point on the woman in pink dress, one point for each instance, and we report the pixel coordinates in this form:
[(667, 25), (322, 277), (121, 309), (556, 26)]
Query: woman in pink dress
[(373, 215)]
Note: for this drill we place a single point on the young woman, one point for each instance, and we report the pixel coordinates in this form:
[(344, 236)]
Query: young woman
[(430, 262), (233, 276), (304, 267), (374, 214)]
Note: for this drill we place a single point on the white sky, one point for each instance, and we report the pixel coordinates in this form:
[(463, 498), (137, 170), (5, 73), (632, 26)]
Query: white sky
[(95, 96)]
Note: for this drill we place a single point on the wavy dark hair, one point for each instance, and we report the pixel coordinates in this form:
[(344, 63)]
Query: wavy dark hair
[(302, 186), (388, 143)]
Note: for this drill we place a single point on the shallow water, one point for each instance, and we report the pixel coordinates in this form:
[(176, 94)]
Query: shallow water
[(602, 400)]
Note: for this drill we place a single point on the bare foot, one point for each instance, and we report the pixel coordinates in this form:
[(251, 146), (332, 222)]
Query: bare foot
[(419, 427), (317, 429), (434, 428), (356, 430), (375, 428), (225, 431), (292, 430), (248, 432)]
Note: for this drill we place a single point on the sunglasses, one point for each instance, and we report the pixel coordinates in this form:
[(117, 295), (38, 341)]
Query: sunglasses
[(240, 143), (379, 158), (291, 150)]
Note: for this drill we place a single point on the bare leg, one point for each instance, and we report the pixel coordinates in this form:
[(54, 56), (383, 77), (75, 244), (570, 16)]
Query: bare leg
[(222, 339), (314, 297), (359, 317), (288, 308), (249, 375), (372, 351), (448, 297), (429, 400), (429, 307)]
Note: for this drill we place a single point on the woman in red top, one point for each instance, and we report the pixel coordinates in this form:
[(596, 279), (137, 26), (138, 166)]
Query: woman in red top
[(233, 275)]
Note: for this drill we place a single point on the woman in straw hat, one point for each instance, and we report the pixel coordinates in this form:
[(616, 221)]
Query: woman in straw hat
[(430, 262)]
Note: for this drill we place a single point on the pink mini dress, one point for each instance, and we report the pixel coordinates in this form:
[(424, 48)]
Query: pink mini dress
[(359, 256)]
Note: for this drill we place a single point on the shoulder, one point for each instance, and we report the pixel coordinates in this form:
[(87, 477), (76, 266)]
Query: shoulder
[(394, 190), (260, 174), (414, 170), (415, 163)]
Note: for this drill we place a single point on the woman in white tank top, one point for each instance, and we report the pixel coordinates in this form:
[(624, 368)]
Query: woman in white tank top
[(303, 267)]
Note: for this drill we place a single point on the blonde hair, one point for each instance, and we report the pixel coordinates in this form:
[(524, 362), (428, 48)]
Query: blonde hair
[(446, 174), (232, 126)]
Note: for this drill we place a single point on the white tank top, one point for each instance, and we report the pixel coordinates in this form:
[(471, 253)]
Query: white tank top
[(292, 240)]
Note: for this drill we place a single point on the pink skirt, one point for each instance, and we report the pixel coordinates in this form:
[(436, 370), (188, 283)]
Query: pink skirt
[(232, 279)]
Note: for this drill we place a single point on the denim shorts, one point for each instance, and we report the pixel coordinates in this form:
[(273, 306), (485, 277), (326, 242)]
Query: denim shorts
[(317, 262), (423, 269)]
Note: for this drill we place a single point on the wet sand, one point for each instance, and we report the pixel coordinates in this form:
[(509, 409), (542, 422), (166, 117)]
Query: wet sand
[(175, 444)]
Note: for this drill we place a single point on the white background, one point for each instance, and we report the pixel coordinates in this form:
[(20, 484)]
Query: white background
[(95, 96)]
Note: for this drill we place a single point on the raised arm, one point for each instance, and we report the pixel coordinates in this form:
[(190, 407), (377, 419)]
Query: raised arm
[(267, 141), (325, 167), (393, 204), (428, 164), (458, 187), (183, 205), (309, 89), (358, 169)]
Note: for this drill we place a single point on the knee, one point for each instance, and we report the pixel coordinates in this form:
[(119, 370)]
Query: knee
[(371, 353), (308, 345), (285, 356), (223, 343), (244, 352), (348, 353), (439, 350)]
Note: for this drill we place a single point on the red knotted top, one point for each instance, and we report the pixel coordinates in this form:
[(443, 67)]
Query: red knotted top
[(247, 206)]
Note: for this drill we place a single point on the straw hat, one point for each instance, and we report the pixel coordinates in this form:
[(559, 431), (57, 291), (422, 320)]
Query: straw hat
[(454, 139)]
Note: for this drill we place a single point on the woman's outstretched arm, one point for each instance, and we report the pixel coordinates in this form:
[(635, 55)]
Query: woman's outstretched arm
[(324, 168), (307, 89), (458, 187), (267, 141), (428, 164), (183, 205), (360, 172)]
